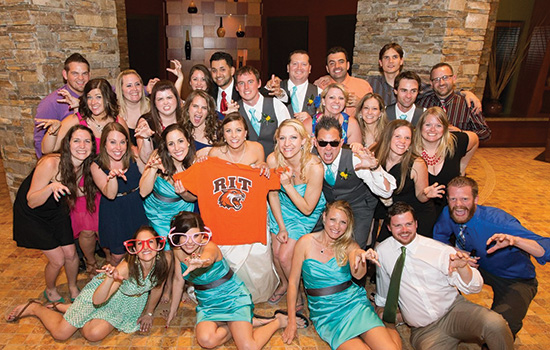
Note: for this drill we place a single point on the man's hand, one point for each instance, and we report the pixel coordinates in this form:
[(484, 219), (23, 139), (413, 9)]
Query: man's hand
[(322, 82), (502, 240), (459, 260)]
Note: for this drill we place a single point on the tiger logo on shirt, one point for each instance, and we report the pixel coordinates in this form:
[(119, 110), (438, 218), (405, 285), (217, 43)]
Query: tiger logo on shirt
[(231, 197)]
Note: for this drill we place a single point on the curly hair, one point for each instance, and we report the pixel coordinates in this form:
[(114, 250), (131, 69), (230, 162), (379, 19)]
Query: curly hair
[(144, 105), (103, 159), (305, 153), (154, 121), (341, 244), (67, 173), (164, 154), (380, 123), (108, 95), (207, 76), (447, 142), (382, 150), (160, 269), (211, 122)]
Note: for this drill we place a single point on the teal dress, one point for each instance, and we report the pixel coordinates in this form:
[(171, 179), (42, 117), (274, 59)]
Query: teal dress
[(341, 316), (297, 224), (162, 208), (122, 310), (230, 301)]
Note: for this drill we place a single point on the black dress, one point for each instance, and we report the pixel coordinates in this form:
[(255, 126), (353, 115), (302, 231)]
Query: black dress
[(45, 227), (450, 169), (425, 212), (120, 218)]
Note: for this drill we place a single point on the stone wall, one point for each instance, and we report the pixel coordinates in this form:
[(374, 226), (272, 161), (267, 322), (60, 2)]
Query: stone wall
[(35, 38), (430, 31)]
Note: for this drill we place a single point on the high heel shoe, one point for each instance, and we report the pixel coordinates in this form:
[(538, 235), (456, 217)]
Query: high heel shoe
[(60, 300)]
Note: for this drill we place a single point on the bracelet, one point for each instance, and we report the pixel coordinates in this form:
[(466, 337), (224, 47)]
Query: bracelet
[(149, 314)]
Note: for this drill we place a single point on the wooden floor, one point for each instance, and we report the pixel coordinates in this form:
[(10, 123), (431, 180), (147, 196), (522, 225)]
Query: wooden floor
[(509, 178)]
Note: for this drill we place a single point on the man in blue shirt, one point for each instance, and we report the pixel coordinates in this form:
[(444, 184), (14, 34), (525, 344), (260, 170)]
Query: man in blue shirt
[(502, 246)]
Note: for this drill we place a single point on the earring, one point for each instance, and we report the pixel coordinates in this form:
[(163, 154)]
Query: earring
[(136, 261), (157, 257)]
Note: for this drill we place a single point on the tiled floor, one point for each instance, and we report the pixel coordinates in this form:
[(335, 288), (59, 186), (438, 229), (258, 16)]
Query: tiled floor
[(509, 178)]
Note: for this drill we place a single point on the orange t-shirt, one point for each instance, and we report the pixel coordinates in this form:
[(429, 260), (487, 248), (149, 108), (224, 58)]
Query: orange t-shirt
[(232, 199)]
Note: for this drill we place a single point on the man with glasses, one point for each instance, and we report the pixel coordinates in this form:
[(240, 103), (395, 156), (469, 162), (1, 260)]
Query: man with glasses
[(460, 114), (502, 246), (353, 178)]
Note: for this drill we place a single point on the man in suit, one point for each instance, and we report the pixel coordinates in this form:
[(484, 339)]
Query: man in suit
[(352, 178), (407, 86), (263, 114), (224, 92)]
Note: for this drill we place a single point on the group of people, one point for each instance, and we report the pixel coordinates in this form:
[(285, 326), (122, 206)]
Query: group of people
[(243, 191)]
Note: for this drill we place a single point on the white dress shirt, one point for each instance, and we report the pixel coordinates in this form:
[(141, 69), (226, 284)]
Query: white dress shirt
[(300, 93), (427, 290), (409, 113), (373, 179), (281, 112)]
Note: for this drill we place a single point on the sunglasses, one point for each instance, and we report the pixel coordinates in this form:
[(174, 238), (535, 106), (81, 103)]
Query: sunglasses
[(135, 246), (331, 143), (179, 239)]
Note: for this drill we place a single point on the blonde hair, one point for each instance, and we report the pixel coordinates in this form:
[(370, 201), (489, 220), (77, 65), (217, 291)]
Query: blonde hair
[(382, 150), (305, 153), (144, 105), (446, 146), (333, 86), (380, 123), (341, 244)]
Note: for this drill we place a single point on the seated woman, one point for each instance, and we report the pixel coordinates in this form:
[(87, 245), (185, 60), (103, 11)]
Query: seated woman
[(446, 153), (395, 151), (334, 99), (201, 120), (224, 309), (296, 207), (116, 298), (339, 309)]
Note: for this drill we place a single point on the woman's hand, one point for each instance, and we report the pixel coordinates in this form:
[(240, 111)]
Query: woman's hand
[(264, 169), (176, 70), (150, 84), (194, 262), (282, 236), (111, 272), (117, 173), (434, 191), (156, 163), (143, 130), (145, 322), (59, 190), (357, 147), (231, 107), (368, 160), (289, 333), (286, 178), (179, 188), (362, 258), (169, 316), (69, 99)]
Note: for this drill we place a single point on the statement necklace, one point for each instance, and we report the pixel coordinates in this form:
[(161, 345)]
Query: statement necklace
[(433, 160)]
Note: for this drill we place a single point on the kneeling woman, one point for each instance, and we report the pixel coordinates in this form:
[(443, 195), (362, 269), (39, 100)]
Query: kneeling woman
[(339, 309), (118, 298), (225, 305)]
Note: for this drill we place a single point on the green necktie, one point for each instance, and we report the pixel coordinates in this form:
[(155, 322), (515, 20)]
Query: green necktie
[(390, 310)]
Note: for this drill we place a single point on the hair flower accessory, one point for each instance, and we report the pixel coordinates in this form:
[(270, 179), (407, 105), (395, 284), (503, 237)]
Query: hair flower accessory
[(317, 101)]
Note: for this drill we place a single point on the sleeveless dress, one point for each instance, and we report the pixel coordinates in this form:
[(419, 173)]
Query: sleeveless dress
[(341, 316), (425, 212), (345, 123), (45, 227), (199, 145), (120, 218), (230, 301), (161, 209), (122, 310), (297, 224), (81, 218)]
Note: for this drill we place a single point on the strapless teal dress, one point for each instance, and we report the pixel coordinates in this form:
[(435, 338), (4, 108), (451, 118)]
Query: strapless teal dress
[(297, 224), (160, 213), (230, 301), (341, 316)]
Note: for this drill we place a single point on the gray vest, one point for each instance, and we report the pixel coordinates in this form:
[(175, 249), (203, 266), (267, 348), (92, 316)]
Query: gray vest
[(267, 129), (390, 113), (351, 189), (311, 92)]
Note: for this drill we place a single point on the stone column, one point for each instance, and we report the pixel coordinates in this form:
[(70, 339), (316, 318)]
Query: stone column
[(458, 32), (35, 38)]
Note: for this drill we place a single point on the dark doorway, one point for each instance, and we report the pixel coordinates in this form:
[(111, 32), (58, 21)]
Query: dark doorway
[(144, 45), (341, 32), (284, 35)]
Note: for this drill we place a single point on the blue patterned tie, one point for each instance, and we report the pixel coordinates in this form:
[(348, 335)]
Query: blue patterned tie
[(255, 123), (294, 100), (461, 238), (329, 176)]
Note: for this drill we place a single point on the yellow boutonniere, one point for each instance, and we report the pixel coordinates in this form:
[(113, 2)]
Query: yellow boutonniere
[(266, 119), (344, 174)]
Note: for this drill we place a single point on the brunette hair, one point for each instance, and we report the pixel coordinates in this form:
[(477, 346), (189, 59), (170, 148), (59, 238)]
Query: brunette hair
[(164, 155), (103, 159), (109, 99), (207, 76), (154, 121), (159, 274), (67, 174), (380, 123), (385, 48), (382, 150), (75, 58), (400, 208), (211, 123), (231, 117), (249, 70)]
